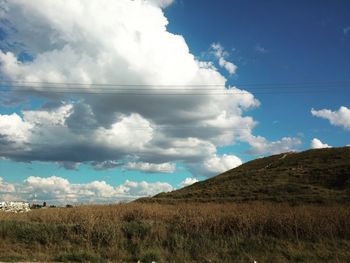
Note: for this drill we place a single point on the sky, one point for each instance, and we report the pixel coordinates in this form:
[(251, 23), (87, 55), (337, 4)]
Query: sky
[(106, 101)]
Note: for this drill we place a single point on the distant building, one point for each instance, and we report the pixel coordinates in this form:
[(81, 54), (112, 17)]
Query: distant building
[(15, 207)]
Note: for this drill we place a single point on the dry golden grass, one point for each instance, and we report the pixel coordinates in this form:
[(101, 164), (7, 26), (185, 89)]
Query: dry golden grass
[(179, 233)]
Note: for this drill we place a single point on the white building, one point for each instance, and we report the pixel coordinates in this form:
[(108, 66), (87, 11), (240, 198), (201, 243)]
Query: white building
[(15, 207)]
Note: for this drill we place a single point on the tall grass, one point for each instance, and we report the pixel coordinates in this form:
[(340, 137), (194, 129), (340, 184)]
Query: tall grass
[(179, 233)]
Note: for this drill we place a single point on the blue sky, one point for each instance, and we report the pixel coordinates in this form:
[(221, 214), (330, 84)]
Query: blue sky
[(304, 42), (292, 58), (276, 42)]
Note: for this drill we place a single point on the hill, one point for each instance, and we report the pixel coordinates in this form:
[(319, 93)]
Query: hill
[(313, 176)]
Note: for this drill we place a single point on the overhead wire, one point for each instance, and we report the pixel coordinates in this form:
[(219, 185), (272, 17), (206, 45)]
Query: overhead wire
[(342, 82), (173, 93), (171, 89)]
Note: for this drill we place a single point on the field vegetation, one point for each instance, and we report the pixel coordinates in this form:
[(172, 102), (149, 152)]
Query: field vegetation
[(182, 232), (291, 207), (320, 176)]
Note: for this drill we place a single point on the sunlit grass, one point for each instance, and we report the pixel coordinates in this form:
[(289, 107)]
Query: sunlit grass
[(263, 232)]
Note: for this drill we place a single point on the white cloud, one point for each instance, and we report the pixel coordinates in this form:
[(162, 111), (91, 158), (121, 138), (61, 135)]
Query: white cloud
[(317, 144), (144, 188), (220, 53), (129, 132), (56, 186), (14, 129), (152, 167), (6, 188), (55, 117), (220, 164), (162, 3), (229, 66), (58, 190), (336, 118), (126, 43), (259, 145), (188, 181)]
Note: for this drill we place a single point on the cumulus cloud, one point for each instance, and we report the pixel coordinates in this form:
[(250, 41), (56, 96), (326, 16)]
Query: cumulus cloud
[(188, 181), (162, 3), (259, 145), (317, 144), (59, 190), (144, 188), (7, 191), (220, 53), (220, 164), (6, 188), (152, 167), (140, 118), (340, 117), (14, 129)]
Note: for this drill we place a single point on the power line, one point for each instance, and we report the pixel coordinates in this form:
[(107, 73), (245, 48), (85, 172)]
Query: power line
[(156, 128), (172, 90), (198, 92), (312, 83), (156, 88)]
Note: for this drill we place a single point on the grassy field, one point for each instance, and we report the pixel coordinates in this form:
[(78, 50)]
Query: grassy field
[(315, 176), (290, 207), (196, 232)]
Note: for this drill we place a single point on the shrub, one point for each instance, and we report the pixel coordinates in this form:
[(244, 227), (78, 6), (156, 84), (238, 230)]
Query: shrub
[(136, 230), (151, 255)]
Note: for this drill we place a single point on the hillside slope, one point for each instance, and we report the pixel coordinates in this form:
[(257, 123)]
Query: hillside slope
[(313, 176)]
